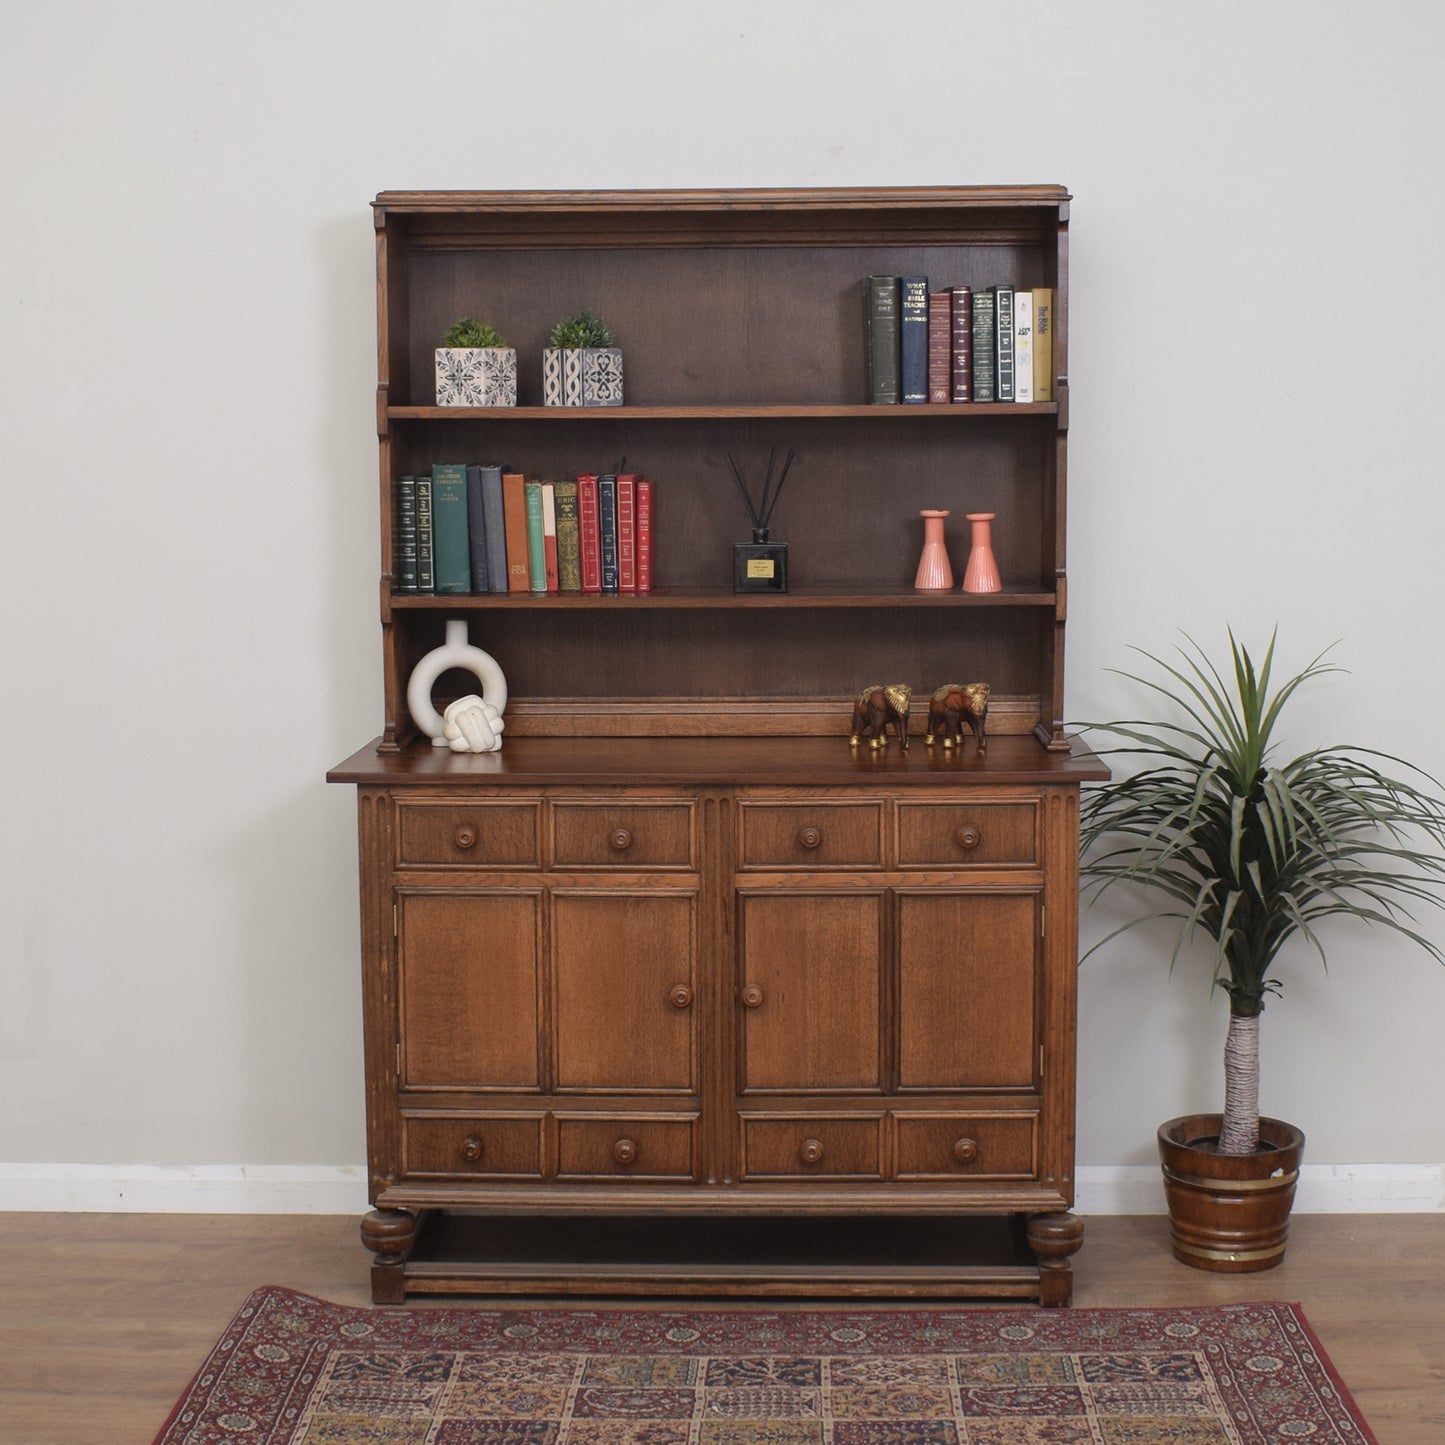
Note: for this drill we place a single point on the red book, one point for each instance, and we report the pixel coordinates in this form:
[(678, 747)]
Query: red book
[(514, 510), (962, 343), (589, 533), (627, 534), (644, 535)]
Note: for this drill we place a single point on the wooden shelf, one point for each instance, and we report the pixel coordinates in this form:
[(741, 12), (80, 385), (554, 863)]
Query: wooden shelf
[(804, 410), (672, 598)]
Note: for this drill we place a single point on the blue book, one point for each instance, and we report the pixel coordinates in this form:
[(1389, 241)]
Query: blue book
[(607, 527), (451, 542), (495, 521), (913, 339), (477, 531)]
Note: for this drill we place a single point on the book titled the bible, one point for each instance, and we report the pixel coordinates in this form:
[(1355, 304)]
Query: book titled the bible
[(985, 380), (569, 541), (514, 511), (913, 340), (1043, 343), (961, 376), (644, 535), (881, 318)]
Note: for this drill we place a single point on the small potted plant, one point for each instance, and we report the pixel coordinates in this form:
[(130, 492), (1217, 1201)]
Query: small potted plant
[(475, 366), (1253, 852), (580, 365)]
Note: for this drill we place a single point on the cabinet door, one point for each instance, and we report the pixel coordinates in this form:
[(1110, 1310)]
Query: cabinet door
[(468, 974), (625, 978), (969, 970), (811, 987)]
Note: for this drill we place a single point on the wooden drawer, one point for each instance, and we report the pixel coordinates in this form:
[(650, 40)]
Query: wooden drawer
[(812, 835), (964, 834), (468, 835), (625, 1147), (623, 835), (947, 1146), (812, 1146), (489, 1146)]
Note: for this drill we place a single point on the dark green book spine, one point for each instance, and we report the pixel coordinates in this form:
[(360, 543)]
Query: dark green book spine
[(569, 542), (404, 565), (536, 545), (1003, 316), (477, 531), (496, 525), (881, 316), (426, 577), (985, 381), (449, 528)]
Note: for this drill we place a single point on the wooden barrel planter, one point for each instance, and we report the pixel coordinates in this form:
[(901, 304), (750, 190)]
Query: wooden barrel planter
[(1229, 1212)]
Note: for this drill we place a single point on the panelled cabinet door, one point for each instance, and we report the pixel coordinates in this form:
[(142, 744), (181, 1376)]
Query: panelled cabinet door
[(969, 984), (469, 968), (811, 988), (625, 980)]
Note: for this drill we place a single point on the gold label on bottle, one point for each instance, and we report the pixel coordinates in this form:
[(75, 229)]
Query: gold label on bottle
[(760, 567)]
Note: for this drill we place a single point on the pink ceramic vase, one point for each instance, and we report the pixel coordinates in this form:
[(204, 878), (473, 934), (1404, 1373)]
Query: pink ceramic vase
[(934, 571), (981, 574)]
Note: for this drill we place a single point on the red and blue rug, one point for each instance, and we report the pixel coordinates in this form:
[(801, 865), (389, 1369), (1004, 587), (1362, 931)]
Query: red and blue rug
[(292, 1370)]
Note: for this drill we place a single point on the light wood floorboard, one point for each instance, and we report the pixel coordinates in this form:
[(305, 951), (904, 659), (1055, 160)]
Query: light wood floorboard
[(104, 1318)]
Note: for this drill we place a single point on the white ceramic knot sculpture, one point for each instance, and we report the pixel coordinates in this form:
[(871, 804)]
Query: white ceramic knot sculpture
[(471, 724)]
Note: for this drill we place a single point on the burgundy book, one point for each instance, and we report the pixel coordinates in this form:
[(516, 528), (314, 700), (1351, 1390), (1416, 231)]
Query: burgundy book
[(644, 535), (940, 347), (589, 533), (962, 309), (627, 533)]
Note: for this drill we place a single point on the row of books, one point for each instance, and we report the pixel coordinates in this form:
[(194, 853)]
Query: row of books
[(958, 344), (465, 527)]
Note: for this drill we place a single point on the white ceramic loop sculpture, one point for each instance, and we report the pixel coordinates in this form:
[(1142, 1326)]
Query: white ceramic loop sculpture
[(471, 724)]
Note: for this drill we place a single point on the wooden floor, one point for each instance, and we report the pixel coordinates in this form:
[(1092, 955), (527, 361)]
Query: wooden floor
[(104, 1318)]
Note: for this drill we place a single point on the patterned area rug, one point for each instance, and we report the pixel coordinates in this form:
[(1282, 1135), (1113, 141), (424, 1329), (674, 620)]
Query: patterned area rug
[(292, 1370)]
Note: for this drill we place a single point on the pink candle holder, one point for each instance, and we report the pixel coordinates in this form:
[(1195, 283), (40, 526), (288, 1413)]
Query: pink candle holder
[(935, 573), (981, 574)]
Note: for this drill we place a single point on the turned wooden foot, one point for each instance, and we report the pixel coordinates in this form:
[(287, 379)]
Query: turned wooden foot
[(1053, 1239), (389, 1234)]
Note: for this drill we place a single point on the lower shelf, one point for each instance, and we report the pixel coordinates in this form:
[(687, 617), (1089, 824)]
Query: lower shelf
[(455, 1252)]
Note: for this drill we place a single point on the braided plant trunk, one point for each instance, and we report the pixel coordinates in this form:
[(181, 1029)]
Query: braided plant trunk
[(1239, 1132)]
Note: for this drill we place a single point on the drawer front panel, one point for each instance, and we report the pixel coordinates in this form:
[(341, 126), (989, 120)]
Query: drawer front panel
[(812, 835), (617, 835), (985, 1146), (813, 1146), (484, 1147), (623, 1147), (967, 835), (467, 835)]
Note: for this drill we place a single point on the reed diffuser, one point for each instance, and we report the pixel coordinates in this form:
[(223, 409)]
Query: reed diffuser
[(761, 565)]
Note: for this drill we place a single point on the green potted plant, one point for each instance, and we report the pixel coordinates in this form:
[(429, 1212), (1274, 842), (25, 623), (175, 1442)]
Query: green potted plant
[(1254, 852), (580, 364), (475, 366)]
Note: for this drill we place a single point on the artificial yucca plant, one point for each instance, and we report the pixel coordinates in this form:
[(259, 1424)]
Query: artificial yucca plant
[(1252, 850)]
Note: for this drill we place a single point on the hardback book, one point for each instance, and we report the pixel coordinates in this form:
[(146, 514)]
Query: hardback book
[(607, 529), (496, 524), (1003, 330), (961, 310), (426, 577), (452, 539), (985, 374), (627, 533), (1023, 346), (940, 347), (404, 535), (881, 317), (536, 547), (514, 510), (913, 340), (589, 532), (549, 535), (644, 535), (1043, 343), (569, 549), (477, 531)]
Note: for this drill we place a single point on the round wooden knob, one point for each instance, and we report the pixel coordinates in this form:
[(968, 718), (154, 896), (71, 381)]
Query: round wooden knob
[(812, 1151), (969, 836), (752, 996), (624, 1151), (465, 836), (965, 1150), (472, 1150), (621, 839), (810, 837), (681, 996)]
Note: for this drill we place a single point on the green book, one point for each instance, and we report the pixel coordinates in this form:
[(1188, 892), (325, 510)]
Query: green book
[(536, 545), (569, 539), (451, 539), (425, 548)]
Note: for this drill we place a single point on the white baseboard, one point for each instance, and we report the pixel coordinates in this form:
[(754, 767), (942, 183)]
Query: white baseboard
[(341, 1189)]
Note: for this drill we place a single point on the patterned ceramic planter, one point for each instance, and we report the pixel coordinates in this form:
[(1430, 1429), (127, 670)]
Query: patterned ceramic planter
[(601, 376), (561, 376), (476, 376)]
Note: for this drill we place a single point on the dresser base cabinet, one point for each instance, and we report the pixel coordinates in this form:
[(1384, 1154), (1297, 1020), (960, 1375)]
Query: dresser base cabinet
[(706, 1017)]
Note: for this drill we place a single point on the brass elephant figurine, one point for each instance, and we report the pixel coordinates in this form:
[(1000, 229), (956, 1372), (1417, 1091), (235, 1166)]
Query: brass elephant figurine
[(952, 707), (878, 708)]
